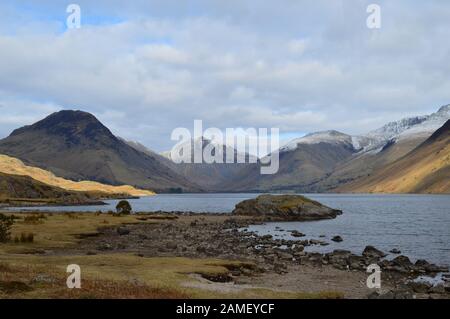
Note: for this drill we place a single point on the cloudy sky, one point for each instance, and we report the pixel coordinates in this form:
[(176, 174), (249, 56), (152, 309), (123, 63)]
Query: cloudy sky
[(146, 67)]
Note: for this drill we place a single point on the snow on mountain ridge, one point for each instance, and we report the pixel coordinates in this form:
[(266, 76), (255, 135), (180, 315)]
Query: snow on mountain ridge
[(375, 140), (331, 137), (407, 128)]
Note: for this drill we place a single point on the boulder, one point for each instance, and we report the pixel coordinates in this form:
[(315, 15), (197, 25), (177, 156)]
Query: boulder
[(285, 208), (402, 261), (296, 233), (372, 252), (420, 287), (122, 231), (337, 239)]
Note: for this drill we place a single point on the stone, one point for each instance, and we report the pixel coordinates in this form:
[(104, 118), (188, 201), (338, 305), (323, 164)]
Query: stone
[(395, 251), (104, 246), (171, 245), (372, 252), (337, 239), (420, 287), (438, 289), (402, 261), (122, 231), (285, 208), (296, 233)]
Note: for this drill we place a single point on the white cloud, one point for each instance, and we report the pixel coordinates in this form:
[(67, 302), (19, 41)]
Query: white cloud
[(303, 67)]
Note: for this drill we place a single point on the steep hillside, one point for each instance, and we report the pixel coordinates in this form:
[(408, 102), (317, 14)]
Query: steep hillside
[(303, 163), (14, 188), (426, 169), (76, 146), (10, 165)]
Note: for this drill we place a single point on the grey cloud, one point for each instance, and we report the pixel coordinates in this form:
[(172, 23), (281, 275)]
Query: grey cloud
[(301, 66)]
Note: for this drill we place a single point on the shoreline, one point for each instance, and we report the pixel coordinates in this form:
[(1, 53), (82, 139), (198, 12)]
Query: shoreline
[(224, 236)]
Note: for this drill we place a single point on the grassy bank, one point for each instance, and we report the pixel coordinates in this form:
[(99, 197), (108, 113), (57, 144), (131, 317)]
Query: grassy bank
[(38, 269)]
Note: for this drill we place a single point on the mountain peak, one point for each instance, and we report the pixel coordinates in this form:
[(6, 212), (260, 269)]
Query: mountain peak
[(329, 137), (70, 124), (444, 109)]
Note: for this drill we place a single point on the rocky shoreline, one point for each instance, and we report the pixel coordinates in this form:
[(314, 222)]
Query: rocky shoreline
[(193, 235)]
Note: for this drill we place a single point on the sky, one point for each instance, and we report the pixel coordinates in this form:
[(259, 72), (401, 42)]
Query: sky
[(146, 67)]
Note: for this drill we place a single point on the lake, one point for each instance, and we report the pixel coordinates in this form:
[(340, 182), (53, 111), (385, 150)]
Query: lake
[(418, 225)]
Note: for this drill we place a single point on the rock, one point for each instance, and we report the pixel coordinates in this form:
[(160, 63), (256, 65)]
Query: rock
[(372, 252), (280, 268), (447, 286), (285, 208), (298, 248), (122, 231), (420, 287), (296, 233), (104, 246), (317, 242), (402, 261), (201, 249), (438, 289), (388, 295), (284, 255), (337, 239), (171, 246), (338, 258), (395, 251), (421, 263), (373, 295)]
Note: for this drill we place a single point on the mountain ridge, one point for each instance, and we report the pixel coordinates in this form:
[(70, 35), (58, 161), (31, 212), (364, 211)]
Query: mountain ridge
[(77, 146)]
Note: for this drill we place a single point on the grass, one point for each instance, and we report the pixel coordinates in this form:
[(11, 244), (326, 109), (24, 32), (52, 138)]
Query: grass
[(26, 274), (61, 230), (11, 165)]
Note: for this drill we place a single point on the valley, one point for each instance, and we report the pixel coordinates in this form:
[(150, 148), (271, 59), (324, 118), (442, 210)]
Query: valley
[(75, 151)]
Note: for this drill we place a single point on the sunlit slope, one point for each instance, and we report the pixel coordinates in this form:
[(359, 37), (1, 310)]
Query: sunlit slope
[(10, 165), (426, 169)]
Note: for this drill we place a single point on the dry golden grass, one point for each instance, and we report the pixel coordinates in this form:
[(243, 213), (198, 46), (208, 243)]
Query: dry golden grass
[(26, 274), (124, 276), (424, 170), (13, 166), (61, 230)]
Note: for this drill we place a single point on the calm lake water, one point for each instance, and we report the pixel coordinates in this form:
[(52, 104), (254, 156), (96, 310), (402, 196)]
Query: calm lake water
[(418, 225)]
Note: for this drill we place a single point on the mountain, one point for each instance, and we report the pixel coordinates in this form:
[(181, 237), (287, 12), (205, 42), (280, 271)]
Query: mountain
[(208, 176), (426, 169), (384, 146), (303, 162), (76, 146), (324, 161), (13, 166), (14, 188)]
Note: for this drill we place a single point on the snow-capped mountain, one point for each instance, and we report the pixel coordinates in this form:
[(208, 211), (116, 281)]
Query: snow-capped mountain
[(374, 141), (329, 137), (408, 128)]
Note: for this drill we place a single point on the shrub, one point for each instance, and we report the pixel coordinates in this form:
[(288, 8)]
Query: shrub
[(34, 219), (6, 223), (123, 207), (26, 238), (72, 215)]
